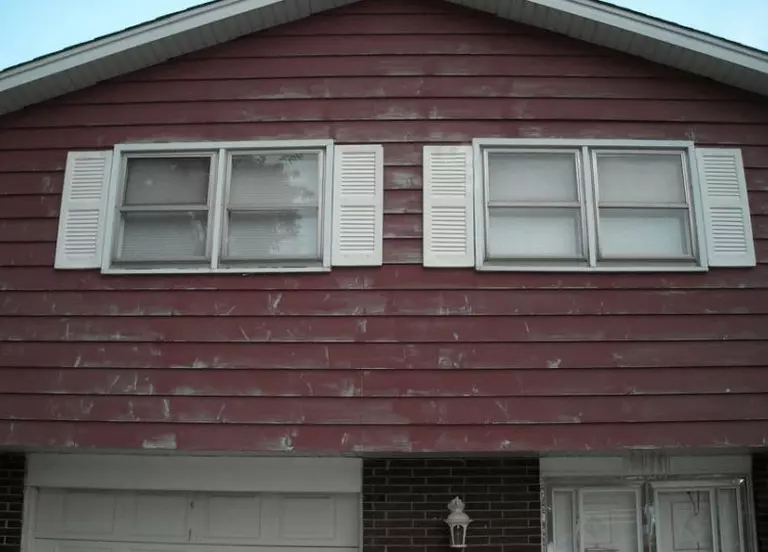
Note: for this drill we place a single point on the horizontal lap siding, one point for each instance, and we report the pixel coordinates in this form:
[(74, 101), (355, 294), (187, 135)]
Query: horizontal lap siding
[(396, 358)]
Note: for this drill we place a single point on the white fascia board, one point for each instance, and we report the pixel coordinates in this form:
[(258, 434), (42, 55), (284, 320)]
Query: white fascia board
[(662, 31), (128, 40), (195, 473)]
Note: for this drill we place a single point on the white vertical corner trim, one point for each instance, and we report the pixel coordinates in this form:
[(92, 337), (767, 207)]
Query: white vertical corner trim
[(358, 205), (29, 519), (83, 206), (449, 238), (726, 207)]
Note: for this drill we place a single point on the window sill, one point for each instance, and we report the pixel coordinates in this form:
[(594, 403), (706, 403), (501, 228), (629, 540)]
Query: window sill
[(208, 270)]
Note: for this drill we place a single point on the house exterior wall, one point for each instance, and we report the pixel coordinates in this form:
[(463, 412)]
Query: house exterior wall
[(396, 358)]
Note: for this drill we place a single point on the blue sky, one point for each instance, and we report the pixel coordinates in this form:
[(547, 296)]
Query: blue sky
[(31, 28)]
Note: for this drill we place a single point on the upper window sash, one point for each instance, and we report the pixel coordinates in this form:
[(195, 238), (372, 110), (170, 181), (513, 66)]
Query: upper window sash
[(220, 154), (589, 150)]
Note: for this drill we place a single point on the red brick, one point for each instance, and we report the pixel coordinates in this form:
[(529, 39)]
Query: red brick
[(501, 496), (11, 500)]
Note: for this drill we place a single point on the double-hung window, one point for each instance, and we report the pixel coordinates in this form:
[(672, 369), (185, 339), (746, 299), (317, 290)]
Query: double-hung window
[(228, 207), (590, 207), (585, 205), (239, 207)]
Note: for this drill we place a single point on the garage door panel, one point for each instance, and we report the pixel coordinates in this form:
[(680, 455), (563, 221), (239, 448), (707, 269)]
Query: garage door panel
[(324, 520), (76, 546), (227, 518), (158, 517), (307, 518), (90, 515), (94, 546)]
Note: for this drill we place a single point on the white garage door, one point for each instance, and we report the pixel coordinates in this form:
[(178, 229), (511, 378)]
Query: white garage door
[(121, 521), (153, 503)]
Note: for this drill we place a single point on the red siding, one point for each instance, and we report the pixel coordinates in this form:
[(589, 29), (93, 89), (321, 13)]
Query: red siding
[(397, 358)]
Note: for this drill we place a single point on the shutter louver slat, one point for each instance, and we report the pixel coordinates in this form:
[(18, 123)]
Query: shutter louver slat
[(81, 220), (726, 207), (448, 204), (358, 192)]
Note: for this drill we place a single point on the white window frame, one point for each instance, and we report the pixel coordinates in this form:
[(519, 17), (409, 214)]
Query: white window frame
[(220, 153), (586, 153), (647, 489)]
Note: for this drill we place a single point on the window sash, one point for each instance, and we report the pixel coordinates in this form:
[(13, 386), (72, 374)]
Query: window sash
[(227, 208), (218, 209), (591, 208), (600, 205), (579, 204), (123, 209)]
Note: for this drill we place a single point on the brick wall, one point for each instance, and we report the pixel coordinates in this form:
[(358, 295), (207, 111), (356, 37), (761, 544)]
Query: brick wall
[(11, 500), (404, 503), (760, 482)]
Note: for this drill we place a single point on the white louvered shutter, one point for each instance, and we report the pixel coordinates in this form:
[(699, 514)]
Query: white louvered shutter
[(449, 238), (81, 219), (358, 205), (726, 207)]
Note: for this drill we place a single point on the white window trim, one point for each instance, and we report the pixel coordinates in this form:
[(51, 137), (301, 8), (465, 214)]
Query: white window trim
[(219, 150), (479, 146)]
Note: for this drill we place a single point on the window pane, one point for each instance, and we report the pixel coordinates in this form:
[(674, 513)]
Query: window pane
[(284, 235), (609, 521), (279, 179), (684, 521), (534, 233), (640, 178), (532, 177), (728, 512), (644, 233), (562, 521), (165, 236), (173, 180)]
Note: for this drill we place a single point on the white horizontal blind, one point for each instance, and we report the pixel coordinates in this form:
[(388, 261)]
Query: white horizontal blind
[(358, 205), (160, 236), (81, 219), (449, 238), (726, 207)]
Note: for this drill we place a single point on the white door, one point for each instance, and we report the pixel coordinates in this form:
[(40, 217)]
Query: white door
[(123, 521)]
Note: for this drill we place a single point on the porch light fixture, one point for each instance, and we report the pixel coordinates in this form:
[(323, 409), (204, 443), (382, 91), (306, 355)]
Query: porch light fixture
[(458, 522)]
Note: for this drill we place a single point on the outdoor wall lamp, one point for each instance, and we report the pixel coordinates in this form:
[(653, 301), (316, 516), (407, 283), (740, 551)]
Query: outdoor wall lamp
[(458, 522)]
